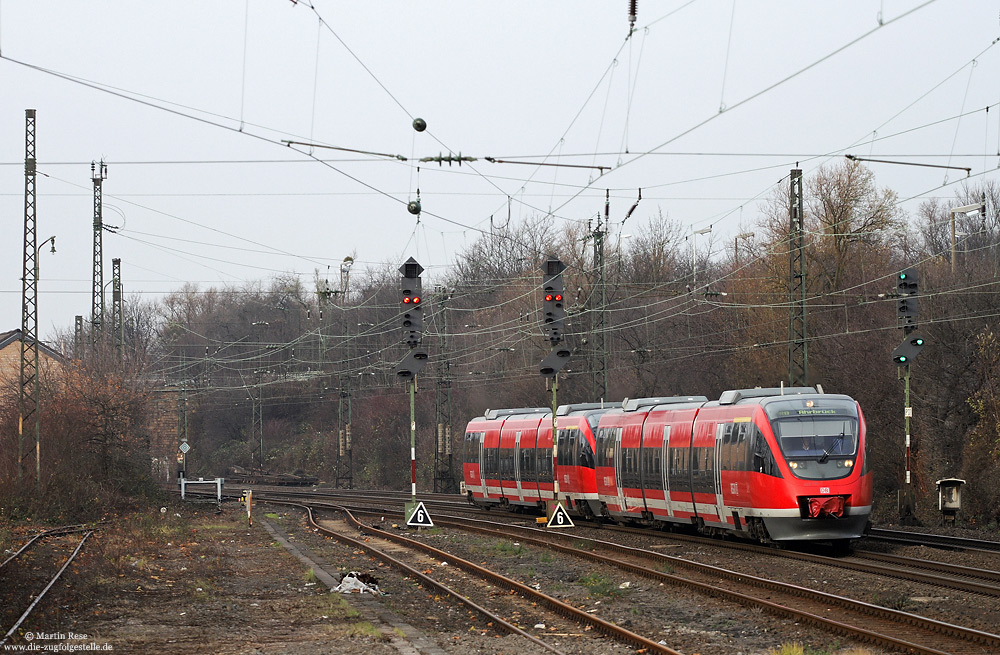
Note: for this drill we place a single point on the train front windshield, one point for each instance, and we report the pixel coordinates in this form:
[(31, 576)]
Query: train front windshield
[(818, 437)]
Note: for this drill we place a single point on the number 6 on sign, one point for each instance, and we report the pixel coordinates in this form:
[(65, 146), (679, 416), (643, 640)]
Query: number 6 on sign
[(560, 518), (420, 518)]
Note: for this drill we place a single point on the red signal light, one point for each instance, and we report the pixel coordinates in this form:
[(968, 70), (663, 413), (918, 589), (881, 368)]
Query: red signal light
[(558, 297), (548, 297), (406, 300), (416, 300)]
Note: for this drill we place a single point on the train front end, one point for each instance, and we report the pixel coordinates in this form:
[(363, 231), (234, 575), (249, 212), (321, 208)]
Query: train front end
[(824, 491)]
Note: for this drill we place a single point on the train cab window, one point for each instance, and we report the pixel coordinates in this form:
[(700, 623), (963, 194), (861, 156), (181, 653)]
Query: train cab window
[(606, 438), (762, 459), (472, 441), (567, 446), (586, 454)]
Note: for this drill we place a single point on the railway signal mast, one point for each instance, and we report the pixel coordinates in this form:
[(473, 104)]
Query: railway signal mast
[(411, 301), (554, 323), (907, 285)]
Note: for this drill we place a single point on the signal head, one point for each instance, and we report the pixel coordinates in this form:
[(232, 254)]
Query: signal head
[(906, 281)]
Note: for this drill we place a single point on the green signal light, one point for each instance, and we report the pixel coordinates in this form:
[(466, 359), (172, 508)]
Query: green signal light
[(918, 342), (902, 276), (902, 358)]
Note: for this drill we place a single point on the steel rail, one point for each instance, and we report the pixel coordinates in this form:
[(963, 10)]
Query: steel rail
[(419, 575), (41, 595), (568, 611), (54, 532), (966, 634), (927, 539), (933, 573)]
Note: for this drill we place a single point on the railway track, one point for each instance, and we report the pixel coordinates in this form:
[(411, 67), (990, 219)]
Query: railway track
[(887, 628), (863, 621), (890, 628), (398, 547), (919, 570), (36, 598), (938, 540)]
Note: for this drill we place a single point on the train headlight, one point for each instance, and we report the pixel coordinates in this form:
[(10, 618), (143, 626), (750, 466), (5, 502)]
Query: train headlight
[(793, 465), (848, 463)]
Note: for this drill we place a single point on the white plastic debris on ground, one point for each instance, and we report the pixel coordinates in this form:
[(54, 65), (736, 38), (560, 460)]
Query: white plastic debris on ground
[(350, 584)]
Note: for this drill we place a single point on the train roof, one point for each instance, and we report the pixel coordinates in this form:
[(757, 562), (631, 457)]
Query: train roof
[(498, 413), (632, 404), (566, 410), (734, 396)]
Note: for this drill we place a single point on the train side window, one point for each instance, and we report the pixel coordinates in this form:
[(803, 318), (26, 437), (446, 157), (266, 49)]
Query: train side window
[(651, 471), (677, 462), (633, 466), (740, 450), (544, 464), (727, 447)]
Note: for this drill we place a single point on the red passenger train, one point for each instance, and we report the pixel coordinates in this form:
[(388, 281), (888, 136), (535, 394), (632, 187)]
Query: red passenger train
[(774, 465)]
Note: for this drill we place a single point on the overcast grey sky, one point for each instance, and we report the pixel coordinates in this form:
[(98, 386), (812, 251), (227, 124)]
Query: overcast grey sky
[(706, 107)]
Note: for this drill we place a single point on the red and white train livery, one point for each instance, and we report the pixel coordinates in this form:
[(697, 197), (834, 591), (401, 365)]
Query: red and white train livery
[(783, 464)]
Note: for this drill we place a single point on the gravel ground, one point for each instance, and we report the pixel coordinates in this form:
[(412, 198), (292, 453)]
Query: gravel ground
[(191, 581)]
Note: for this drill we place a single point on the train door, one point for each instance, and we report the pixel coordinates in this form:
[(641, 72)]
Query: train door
[(720, 431), (618, 471), (517, 465), (482, 465), (665, 471)]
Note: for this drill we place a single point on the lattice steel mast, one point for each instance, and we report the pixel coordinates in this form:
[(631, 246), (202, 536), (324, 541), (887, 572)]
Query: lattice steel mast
[(117, 305), (798, 360), (28, 398), (98, 173), (444, 478), (599, 300)]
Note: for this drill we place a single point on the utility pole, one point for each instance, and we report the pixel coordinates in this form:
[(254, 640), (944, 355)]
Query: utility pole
[(117, 320), (28, 398), (798, 360), (444, 480), (345, 472), (345, 452), (907, 287), (98, 173)]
